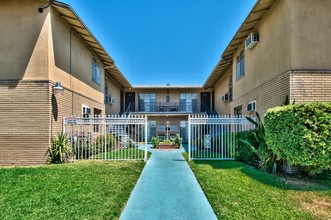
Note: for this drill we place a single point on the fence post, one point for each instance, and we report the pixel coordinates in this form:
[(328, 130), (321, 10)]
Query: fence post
[(63, 126), (146, 127), (189, 137)]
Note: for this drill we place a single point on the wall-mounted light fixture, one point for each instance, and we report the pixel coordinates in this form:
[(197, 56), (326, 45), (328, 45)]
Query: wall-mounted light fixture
[(41, 8), (58, 89)]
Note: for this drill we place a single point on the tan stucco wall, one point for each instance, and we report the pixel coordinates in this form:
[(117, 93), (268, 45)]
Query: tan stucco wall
[(114, 90), (311, 34), (24, 40), (78, 75), (271, 56), (222, 87)]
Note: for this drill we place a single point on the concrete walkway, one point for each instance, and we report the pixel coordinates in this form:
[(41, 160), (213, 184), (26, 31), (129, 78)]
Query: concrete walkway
[(167, 189)]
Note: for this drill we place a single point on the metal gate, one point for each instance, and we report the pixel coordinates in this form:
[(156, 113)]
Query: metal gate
[(215, 137), (107, 138)]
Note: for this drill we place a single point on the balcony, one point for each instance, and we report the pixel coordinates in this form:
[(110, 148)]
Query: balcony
[(168, 107)]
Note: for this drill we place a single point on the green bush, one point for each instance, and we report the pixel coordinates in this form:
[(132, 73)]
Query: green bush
[(177, 141), (104, 140), (301, 134), (244, 152), (155, 142)]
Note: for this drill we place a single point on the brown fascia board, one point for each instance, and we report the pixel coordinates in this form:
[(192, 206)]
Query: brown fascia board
[(238, 31)]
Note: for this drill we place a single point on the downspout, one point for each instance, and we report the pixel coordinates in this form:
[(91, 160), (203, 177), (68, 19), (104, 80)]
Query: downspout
[(70, 73)]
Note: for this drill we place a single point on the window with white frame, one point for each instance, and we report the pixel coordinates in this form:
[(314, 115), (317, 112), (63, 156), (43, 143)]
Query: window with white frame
[(240, 67), (96, 72)]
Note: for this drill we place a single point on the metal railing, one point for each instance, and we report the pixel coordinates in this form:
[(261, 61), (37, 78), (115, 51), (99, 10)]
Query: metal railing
[(215, 137), (159, 107), (107, 138)]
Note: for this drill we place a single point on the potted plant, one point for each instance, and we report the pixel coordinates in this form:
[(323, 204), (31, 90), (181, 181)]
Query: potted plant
[(166, 144)]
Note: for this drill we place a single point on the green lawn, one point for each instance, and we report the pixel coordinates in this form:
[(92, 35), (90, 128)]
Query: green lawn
[(237, 191), (125, 153), (83, 190)]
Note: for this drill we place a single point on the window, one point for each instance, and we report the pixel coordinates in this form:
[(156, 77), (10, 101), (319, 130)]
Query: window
[(230, 89), (106, 92), (240, 68), (238, 110), (162, 128), (173, 127), (188, 102), (96, 72), (86, 112), (147, 102)]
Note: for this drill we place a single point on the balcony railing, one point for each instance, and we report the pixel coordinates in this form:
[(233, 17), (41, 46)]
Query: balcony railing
[(166, 107)]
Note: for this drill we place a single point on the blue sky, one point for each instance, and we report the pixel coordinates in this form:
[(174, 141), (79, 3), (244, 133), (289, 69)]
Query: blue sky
[(168, 41)]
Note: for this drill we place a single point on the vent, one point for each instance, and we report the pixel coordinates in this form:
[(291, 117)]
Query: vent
[(252, 40)]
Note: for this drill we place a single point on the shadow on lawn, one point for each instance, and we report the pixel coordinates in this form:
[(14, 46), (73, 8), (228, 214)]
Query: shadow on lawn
[(285, 182)]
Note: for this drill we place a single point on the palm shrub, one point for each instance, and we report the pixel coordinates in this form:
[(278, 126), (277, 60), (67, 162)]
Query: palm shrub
[(178, 141), (155, 142), (265, 155), (301, 134), (59, 150)]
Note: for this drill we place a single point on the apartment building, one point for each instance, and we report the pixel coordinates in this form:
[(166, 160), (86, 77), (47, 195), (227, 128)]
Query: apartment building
[(168, 107), (36, 51), (281, 53)]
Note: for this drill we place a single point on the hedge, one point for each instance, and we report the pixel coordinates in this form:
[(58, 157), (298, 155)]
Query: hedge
[(244, 151), (301, 134)]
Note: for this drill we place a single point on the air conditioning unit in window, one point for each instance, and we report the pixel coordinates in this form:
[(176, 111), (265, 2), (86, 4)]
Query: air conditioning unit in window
[(252, 40), (225, 97), (251, 106), (111, 100)]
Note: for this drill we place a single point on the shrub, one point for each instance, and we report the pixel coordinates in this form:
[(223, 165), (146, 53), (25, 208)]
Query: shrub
[(104, 140), (301, 134), (177, 141), (155, 142), (59, 150), (166, 142), (265, 155), (244, 151)]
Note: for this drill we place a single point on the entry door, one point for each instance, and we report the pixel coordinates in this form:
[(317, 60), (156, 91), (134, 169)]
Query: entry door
[(130, 98), (205, 101)]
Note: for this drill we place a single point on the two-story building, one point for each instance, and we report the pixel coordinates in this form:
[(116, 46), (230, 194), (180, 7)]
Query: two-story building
[(36, 51), (280, 54), (168, 107)]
